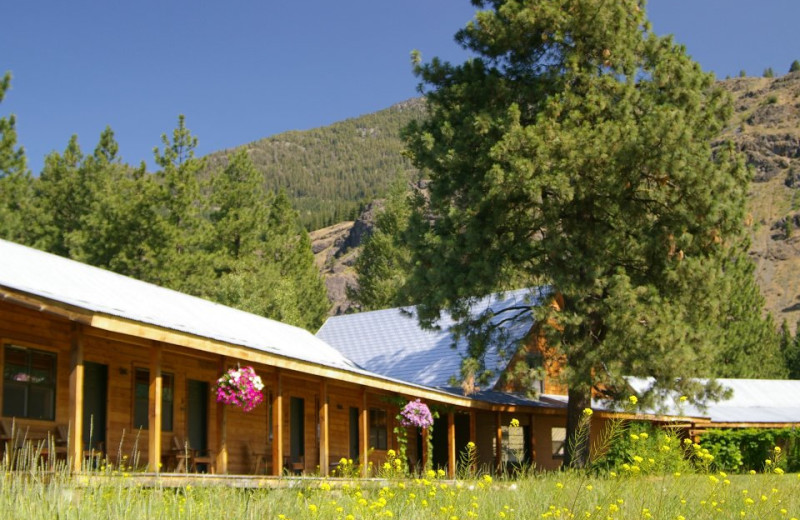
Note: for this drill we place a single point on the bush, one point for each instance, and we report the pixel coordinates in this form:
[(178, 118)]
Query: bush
[(749, 449)]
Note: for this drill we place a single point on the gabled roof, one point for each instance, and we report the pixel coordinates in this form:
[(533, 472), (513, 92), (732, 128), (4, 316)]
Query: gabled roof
[(392, 343), (117, 303), (66, 281)]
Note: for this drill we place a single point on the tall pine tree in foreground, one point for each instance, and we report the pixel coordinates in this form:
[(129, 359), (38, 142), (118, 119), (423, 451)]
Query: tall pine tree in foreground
[(573, 152)]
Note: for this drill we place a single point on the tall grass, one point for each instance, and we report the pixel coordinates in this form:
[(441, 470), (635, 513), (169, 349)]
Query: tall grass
[(658, 476)]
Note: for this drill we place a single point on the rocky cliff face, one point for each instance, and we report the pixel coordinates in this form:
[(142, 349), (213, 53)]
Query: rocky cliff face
[(766, 128), (335, 250)]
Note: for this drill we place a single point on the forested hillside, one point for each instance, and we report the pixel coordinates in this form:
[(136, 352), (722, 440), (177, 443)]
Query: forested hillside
[(330, 172)]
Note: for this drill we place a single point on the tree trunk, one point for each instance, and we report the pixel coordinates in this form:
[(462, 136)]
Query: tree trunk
[(576, 452)]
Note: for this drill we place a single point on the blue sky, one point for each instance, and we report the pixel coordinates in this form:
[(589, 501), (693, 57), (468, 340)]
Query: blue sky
[(243, 70)]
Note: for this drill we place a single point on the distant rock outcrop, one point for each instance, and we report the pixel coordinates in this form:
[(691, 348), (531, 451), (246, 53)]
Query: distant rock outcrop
[(336, 249)]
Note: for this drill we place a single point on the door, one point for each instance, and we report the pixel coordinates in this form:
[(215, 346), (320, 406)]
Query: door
[(354, 439), (95, 400), (297, 447), (197, 393)]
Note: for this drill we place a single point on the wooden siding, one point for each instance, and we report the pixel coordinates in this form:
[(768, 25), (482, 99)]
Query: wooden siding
[(123, 353)]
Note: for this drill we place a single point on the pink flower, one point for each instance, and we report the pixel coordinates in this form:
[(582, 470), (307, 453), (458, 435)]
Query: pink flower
[(240, 388), (417, 414)]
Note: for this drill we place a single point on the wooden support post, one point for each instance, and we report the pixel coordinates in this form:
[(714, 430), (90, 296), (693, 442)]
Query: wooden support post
[(154, 410), (323, 429), (532, 445), (277, 425), (425, 454), (498, 441), (451, 445), (76, 398), (364, 434), (473, 435), (221, 463)]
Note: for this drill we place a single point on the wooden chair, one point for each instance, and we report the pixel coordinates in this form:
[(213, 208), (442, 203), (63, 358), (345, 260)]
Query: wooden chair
[(257, 457), (188, 458), (181, 454), (296, 467)]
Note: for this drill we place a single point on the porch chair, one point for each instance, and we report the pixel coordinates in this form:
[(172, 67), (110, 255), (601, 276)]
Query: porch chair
[(256, 457), (188, 458)]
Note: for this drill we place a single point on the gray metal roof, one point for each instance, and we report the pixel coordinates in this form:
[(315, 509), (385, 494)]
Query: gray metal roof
[(753, 401), (392, 343), (60, 279)]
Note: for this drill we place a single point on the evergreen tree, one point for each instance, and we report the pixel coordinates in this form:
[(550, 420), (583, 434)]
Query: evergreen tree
[(16, 209), (795, 66), (769, 73), (790, 349), (182, 213), (261, 255), (573, 152), (385, 260), (120, 230), (749, 345), (65, 194)]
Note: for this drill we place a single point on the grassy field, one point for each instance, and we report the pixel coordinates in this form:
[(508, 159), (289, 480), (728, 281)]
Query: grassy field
[(34, 495), (658, 476)]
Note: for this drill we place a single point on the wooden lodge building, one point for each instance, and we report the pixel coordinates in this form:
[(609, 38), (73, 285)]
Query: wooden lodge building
[(128, 369)]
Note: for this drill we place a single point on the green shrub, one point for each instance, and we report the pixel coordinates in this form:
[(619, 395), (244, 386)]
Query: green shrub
[(749, 449)]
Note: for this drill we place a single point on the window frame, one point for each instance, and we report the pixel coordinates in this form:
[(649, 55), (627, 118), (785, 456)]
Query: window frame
[(378, 431), (167, 401), (30, 349)]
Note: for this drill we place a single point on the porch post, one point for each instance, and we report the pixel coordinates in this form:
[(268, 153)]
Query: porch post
[(277, 425), (473, 433), (451, 444), (154, 409), (364, 434), (221, 463), (425, 454), (323, 429), (498, 442), (76, 398)]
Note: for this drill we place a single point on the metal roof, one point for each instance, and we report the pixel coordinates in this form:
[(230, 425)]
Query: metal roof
[(753, 401), (392, 343), (49, 276)]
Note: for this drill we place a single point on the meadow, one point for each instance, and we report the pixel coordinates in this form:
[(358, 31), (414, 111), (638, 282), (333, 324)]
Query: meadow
[(661, 477)]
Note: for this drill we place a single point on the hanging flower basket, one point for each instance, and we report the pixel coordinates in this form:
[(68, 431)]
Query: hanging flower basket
[(417, 414), (240, 387)]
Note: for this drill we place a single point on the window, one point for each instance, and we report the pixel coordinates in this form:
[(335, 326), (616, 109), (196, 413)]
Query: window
[(29, 383), (141, 399), (513, 444), (377, 429), (558, 438)]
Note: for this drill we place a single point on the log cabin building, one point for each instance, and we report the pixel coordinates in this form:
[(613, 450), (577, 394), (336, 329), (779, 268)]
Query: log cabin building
[(127, 369)]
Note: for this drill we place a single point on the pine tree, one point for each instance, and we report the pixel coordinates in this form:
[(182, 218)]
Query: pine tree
[(181, 208), (385, 260), (573, 152), (790, 349), (769, 73), (749, 344), (795, 66), (16, 209), (64, 196), (262, 256)]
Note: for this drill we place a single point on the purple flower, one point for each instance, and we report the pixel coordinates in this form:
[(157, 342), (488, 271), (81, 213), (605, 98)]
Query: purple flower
[(240, 387), (417, 414)]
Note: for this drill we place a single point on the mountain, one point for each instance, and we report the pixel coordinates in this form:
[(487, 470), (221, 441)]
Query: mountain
[(333, 173), (766, 128), (330, 173)]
